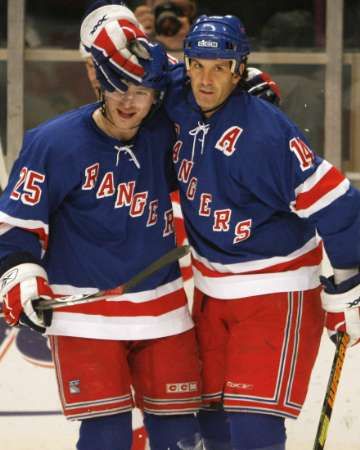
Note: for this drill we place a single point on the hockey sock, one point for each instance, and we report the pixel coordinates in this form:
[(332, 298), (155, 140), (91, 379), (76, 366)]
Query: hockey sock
[(173, 432), (106, 433), (257, 431), (215, 429)]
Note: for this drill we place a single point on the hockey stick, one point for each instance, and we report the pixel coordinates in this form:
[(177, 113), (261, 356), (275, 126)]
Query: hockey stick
[(328, 404), (71, 300)]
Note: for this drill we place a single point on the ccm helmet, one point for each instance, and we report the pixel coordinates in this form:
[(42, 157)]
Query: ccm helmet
[(217, 37)]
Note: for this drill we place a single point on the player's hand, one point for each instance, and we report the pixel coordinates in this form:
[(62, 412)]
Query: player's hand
[(19, 286), (261, 85), (121, 44), (342, 305)]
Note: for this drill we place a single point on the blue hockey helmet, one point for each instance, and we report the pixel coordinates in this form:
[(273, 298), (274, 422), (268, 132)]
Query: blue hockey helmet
[(217, 37), (113, 76)]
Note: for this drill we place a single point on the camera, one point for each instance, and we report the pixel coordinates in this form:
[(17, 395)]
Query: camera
[(167, 21)]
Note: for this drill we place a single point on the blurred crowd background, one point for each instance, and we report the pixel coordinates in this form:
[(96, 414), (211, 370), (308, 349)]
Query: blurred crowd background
[(294, 27)]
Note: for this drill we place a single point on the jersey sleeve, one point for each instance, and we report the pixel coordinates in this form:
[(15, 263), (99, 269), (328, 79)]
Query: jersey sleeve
[(288, 176), (175, 90), (17, 241), (38, 182)]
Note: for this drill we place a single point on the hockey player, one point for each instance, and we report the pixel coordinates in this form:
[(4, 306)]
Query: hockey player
[(86, 208), (257, 83), (254, 196)]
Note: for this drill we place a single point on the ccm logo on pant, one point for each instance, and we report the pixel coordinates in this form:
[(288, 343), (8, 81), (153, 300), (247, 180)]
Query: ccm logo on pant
[(181, 387)]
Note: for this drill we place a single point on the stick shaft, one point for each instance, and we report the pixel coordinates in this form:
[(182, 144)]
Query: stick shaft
[(169, 257), (328, 404)]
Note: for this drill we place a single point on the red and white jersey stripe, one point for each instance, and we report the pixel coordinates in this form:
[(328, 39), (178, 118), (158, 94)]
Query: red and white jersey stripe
[(322, 188), (142, 315), (298, 270), (38, 227)]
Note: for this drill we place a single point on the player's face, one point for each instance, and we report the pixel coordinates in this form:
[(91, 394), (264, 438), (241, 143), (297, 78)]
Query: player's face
[(212, 82), (126, 110)]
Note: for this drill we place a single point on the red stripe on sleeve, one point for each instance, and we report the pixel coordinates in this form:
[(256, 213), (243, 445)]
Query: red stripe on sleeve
[(325, 185)]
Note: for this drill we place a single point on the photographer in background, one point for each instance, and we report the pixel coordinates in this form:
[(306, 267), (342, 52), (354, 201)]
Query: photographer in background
[(167, 22), (143, 10)]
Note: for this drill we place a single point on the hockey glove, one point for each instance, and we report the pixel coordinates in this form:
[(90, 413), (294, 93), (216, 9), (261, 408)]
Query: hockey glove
[(19, 286), (261, 85), (342, 305), (114, 55)]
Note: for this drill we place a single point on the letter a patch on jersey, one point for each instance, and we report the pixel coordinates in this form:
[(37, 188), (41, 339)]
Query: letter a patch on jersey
[(226, 143)]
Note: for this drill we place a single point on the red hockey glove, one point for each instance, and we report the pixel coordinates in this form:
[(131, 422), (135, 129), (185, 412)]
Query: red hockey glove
[(112, 46), (106, 33), (261, 85), (341, 303), (18, 287)]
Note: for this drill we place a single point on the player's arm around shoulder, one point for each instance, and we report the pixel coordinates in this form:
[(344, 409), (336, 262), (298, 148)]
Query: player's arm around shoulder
[(176, 88)]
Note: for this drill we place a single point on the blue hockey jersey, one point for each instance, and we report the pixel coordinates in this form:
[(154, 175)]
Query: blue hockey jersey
[(97, 211), (255, 197)]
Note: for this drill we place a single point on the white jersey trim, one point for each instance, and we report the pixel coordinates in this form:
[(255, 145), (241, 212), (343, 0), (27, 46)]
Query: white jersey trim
[(8, 222), (121, 328), (252, 266), (240, 286), (310, 182)]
